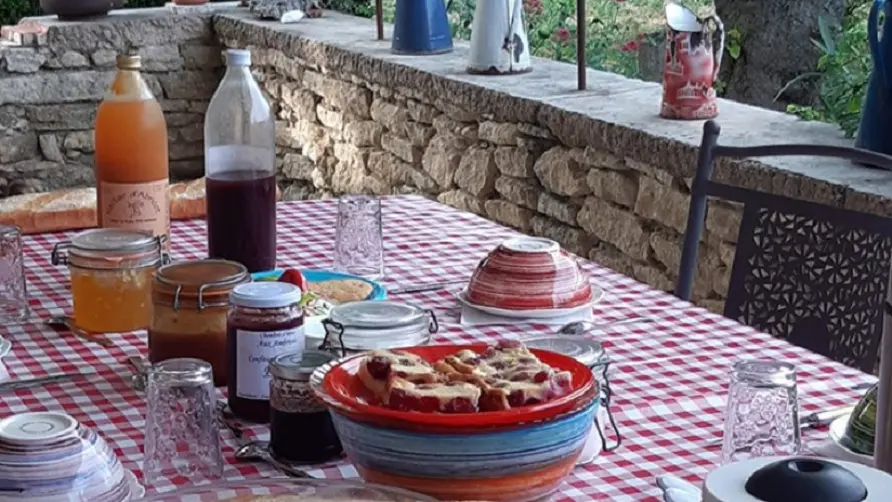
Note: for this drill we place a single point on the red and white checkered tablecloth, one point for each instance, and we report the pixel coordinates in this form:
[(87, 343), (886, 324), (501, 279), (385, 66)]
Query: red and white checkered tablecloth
[(670, 377)]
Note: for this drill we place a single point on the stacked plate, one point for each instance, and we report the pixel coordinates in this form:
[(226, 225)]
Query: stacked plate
[(50, 457)]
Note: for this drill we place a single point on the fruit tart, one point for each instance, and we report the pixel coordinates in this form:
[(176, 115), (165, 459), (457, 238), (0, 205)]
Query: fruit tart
[(504, 376)]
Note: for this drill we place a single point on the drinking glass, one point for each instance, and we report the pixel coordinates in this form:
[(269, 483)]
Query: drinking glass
[(13, 291), (359, 244), (762, 414), (182, 435)]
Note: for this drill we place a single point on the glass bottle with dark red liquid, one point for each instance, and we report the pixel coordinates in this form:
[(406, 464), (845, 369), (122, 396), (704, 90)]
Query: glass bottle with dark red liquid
[(240, 169)]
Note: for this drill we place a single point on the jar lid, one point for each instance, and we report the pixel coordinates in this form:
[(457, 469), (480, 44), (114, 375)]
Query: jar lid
[(377, 314), (200, 283), (113, 240), (298, 365), (585, 350), (265, 295)]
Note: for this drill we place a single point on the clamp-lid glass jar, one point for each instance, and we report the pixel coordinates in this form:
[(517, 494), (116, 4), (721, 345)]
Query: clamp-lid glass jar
[(191, 300), (300, 427), (375, 325), (111, 277), (265, 320)]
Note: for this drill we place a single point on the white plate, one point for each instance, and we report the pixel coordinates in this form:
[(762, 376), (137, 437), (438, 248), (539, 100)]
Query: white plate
[(840, 452), (597, 294), (5, 347), (36, 427)]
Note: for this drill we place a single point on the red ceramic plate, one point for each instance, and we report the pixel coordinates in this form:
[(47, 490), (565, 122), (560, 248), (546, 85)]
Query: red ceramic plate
[(342, 385)]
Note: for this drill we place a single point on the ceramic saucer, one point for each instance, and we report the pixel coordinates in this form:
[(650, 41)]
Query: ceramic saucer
[(597, 295), (839, 451), (36, 427)]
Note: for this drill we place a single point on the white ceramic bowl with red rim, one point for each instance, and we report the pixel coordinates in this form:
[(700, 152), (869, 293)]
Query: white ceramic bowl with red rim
[(529, 273)]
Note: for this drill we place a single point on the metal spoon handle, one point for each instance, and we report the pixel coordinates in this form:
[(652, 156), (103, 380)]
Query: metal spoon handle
[(631, 320), (286, 469)]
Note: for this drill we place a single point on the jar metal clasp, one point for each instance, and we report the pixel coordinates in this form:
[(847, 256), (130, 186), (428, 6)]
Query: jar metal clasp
[(606, 398), (333, 328), (60, 253)]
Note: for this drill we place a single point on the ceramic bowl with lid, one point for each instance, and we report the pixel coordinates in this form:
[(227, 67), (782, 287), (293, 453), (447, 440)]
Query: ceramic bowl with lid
[(50, 457), (376, 325), (529, 273)]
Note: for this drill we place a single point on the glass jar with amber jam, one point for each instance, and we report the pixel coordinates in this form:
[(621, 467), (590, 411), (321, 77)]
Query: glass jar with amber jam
[(265, 321), (191, 300), (111, 277)]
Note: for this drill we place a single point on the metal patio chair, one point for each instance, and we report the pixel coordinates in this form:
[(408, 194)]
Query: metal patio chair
[(809, 273)]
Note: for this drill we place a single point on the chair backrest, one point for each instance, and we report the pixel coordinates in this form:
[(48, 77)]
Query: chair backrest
[(813, 274)]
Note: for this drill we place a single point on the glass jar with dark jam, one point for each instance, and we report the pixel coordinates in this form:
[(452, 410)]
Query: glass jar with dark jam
[(301, 429), (265, 320)]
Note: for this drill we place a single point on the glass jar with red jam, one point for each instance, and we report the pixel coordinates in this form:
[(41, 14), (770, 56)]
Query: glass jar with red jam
[(265, 320), (190, 302), (300, 429)]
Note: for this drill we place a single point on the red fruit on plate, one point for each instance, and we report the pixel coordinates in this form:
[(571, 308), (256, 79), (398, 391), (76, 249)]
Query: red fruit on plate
[(293, 276)]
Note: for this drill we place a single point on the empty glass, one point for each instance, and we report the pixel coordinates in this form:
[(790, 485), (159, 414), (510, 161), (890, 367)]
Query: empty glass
[(13, 291), (762, 414), (359, 247), (182, 435)]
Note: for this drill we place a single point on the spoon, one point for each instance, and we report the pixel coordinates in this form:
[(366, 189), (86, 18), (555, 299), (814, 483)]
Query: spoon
[(580, 327), (259, 450)]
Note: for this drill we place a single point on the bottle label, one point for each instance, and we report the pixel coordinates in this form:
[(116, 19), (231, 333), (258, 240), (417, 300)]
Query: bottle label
[(254, 351), (135, 206)]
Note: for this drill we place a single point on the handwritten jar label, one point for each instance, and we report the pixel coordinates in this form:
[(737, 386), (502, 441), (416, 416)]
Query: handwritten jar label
[(254, 351), (135, 206)]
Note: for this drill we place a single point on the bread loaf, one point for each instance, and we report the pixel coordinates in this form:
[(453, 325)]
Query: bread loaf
[(76, 209)]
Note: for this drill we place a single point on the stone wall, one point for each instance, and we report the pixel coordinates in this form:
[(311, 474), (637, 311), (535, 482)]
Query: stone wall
[(598, 171), (340, 132), (51, 85)]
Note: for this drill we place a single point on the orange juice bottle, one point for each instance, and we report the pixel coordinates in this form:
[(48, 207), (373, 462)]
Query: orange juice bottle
[(131, 155)]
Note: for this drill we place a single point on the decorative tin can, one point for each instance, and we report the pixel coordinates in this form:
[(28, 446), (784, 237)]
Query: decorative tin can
[(692, 64)]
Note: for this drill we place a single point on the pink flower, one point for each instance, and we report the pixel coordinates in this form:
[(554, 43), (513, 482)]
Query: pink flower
[(532, 6), (630, 46), (561, 35)]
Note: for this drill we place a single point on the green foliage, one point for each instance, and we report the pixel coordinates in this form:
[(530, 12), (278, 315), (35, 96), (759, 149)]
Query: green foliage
[(13, 10), (844, 69), (362, 8)]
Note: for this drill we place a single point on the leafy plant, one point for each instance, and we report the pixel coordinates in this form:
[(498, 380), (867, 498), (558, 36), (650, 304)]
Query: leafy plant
[(843, 68)]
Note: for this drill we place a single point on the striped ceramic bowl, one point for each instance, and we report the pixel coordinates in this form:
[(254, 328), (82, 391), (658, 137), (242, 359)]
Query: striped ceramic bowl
[(516, 464), (529, 273)]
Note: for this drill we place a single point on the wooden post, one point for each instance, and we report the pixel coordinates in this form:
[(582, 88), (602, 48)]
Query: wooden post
[(379, 18), (580, 44), (883, 446)]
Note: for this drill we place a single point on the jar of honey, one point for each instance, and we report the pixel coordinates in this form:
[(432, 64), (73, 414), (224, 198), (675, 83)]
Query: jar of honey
[(191, 302), (111, 277)]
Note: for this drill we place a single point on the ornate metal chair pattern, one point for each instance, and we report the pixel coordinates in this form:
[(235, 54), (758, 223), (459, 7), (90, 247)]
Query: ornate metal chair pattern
[(812, 274)]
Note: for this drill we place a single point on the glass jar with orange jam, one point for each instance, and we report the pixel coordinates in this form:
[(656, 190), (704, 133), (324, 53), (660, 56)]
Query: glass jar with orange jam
[(111, 277), (190, 303)]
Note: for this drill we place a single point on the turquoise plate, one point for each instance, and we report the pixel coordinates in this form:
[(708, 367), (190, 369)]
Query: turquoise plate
[(378, 291)]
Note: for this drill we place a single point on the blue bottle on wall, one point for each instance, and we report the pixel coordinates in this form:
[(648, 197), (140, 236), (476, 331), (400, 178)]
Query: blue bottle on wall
[(875, 130), (420, 27)]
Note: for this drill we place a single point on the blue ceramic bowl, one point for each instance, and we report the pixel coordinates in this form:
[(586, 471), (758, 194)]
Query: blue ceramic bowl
[(378, 291), (516, 465)]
